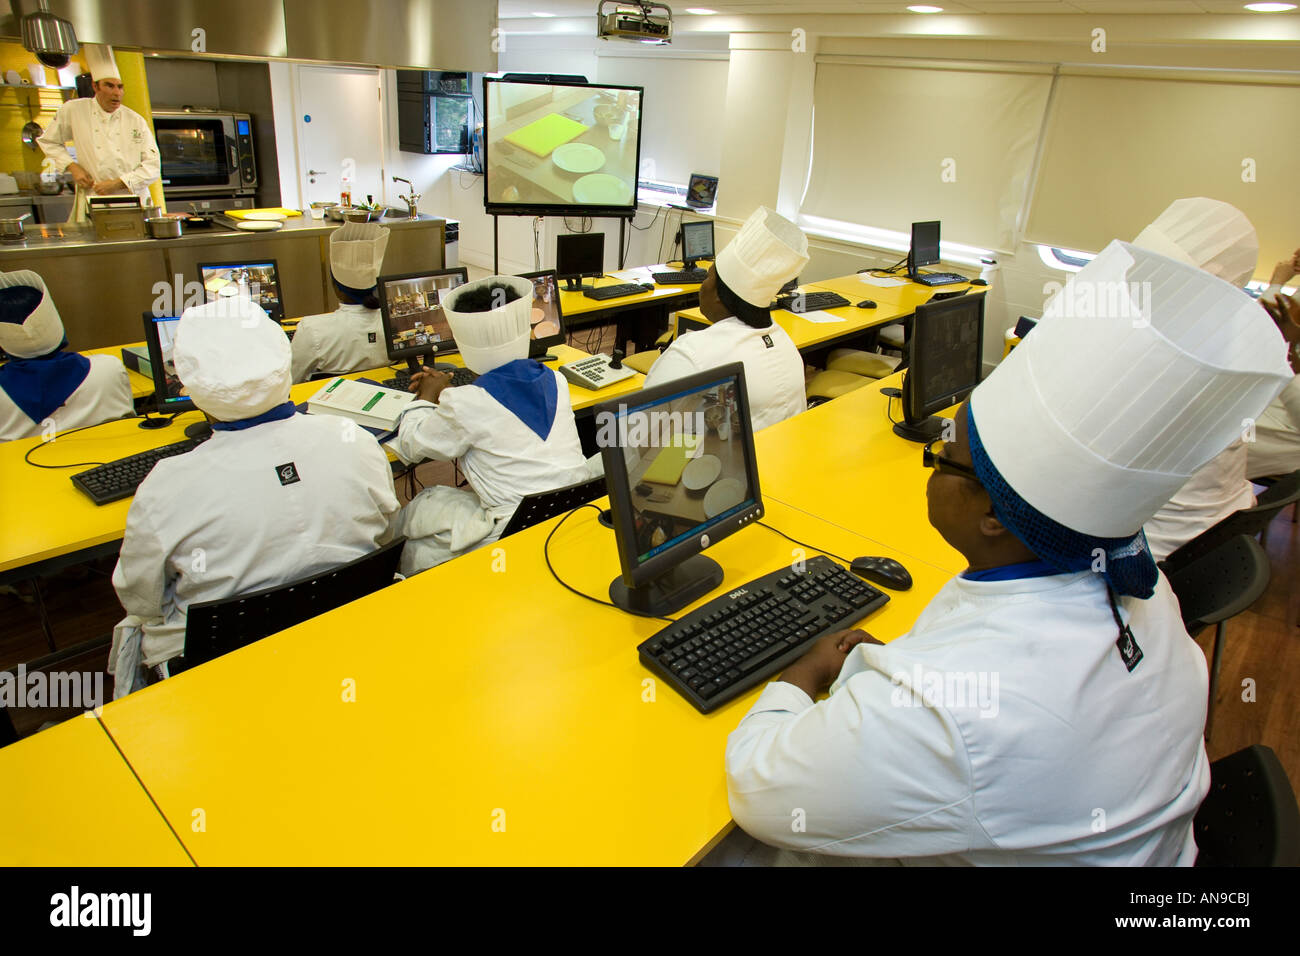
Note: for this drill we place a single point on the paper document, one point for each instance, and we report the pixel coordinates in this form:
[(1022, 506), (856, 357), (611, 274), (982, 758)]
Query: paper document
[(883, 282), (817, 315)]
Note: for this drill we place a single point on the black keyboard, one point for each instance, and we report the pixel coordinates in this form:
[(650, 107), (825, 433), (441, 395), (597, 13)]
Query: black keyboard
[(940, 278), (119, 479), (811, 302), (615, 291), (736, 641), (462, 376), (686, 277)]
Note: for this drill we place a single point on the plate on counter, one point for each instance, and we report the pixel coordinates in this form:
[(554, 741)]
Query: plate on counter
[(702, 472), (602, 189), (257, 225), (723, 496), (578, 158)]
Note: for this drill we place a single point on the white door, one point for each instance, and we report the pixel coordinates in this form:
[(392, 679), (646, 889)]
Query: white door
[(340, 133)]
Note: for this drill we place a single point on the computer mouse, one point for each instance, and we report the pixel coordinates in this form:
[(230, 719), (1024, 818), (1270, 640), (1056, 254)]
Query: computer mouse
[(647, 286), (883, 571), (866, 304), (643, 489), (979, 281)]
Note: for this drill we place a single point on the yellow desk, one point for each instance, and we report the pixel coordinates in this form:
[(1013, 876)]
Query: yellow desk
[(494, 696), (905, 297), (842, 462), (69, 799)]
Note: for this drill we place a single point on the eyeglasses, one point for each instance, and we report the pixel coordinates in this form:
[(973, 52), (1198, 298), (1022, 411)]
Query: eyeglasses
[(932, 457)]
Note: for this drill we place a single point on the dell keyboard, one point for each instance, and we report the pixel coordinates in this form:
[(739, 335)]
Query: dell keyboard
[(120, 479), (462, 376), (940, 278), (615, 291), (686, 277), (737, 641), (811, 302)]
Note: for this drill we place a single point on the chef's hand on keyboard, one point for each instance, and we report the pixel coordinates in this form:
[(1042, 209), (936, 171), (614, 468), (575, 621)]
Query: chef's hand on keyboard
[(817, 669)]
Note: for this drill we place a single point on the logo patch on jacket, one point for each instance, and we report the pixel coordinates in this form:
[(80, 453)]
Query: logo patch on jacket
[(767, 340), (373, 337), (288, 474)]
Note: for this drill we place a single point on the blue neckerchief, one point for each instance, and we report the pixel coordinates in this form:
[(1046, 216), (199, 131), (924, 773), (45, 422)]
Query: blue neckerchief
[(38, 386), (1012, 572), (279, 413), (527, 390)]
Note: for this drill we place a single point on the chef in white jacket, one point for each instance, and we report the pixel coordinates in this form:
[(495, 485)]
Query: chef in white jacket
[(351, 338), (767, 252), (512, 430), (44, 388), (270, 497), (1276, 448), (1047, 706), (116, 151), (1217, 237)]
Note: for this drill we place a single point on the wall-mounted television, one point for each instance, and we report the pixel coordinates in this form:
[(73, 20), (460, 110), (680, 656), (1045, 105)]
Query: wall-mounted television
[(555, 149)]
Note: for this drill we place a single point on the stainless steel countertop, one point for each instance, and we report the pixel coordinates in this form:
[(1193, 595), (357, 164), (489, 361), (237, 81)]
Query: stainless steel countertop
[(34, 199)]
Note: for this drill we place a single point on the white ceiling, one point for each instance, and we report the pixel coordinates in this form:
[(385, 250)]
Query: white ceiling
[(510, 9)]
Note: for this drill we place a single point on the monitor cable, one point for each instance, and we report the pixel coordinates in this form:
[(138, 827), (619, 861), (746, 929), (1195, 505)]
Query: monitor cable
[(804, 544), (72, 431)]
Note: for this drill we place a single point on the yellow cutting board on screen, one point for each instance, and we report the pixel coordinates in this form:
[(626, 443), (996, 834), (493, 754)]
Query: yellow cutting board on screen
[(541, 136), (667, 468)]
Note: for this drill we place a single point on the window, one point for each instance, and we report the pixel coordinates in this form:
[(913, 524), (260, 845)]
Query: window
[(450, 107), (435, 111)]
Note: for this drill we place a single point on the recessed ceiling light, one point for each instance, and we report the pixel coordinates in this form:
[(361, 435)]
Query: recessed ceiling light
[(925, 8), (1270, 7), (701, 11), (536, 14)]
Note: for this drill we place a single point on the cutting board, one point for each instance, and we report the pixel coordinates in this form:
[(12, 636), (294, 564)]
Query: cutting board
[(241, 213), (541, 136), (667, 468)]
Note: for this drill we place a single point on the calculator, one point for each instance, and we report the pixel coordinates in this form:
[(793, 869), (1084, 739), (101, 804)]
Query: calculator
[(594, 372)]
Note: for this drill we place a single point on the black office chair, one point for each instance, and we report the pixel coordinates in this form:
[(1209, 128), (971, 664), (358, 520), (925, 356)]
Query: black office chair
[(213, 628), (547, 504), (1216, 586), (1249, 817), (1283, 491), (7, 733)]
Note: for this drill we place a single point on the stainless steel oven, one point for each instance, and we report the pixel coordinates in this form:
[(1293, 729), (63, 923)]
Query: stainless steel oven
[(205, 153)]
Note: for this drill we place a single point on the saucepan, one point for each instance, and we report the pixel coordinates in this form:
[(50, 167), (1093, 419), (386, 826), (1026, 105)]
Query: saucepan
[(163, 227), (11, 228)]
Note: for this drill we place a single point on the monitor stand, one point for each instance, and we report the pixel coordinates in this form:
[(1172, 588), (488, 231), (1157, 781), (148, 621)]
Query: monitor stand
[(575, 285), (925, 431), (671, 591)]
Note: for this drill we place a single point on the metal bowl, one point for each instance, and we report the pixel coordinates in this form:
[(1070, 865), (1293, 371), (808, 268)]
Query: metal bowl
[(163, 227)]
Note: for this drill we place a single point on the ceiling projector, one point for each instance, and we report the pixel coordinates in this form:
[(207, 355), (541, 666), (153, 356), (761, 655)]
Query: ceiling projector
[(647, 22)]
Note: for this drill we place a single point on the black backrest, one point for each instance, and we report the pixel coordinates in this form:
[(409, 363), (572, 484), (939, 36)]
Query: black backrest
[(7, 733), (214, 628), (1249, 817), (1223, 582), (537, 508), (1251, 521)]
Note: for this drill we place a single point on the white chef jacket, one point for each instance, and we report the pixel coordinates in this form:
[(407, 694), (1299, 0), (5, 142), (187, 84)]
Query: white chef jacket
[(1217, 489), (773, 366), (349, 339), (1080, 761), (221, 521), (1276, 448), (103, 395), (502, 458), (116, 145)]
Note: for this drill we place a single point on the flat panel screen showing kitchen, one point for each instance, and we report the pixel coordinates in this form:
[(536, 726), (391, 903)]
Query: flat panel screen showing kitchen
[(553, 147), (258, 280)]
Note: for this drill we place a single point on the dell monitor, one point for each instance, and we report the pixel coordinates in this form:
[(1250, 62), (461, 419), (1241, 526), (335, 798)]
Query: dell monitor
[(411, 313), (701, 191), (547, 319), (257, 279), (945, 359), (681, 472), (577, 256), (697, 242), (160, 339), (924, 250)]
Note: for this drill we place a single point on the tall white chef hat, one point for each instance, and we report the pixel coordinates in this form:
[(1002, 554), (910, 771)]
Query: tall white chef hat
[(29, 323), (233, 360), (357, 254), (100, 62), (488, 340), (767, 252), (1142, 369), (1206, 233)]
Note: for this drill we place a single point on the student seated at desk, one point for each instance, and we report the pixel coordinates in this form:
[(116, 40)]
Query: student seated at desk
[(351, 338), (512, 429), (43, 382), (1276, 448), (767, 252), (1047, 706), (270, 497)]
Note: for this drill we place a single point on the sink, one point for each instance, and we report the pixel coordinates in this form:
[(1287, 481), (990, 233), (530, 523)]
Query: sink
[(393, 212)]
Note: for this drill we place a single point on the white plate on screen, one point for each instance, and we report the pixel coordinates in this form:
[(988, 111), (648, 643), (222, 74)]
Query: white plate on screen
[(264, 217), (701, 472), (578, 158), (259, 226), (602, 189), (723, 496)]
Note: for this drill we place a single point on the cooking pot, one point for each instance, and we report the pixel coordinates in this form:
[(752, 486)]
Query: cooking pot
[(163, 227), (11, 228)]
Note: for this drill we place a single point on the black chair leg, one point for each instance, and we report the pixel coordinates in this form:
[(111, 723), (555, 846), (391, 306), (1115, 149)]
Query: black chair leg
[(1215, 658)]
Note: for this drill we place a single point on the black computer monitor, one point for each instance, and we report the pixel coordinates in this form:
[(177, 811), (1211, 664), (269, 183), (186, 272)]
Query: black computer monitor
[(945, 362), (578, 255), (680, 467), (701, 191), (697, 242), (547, 319), (410, 310), (258, 279), (924, 250), (160, 337)]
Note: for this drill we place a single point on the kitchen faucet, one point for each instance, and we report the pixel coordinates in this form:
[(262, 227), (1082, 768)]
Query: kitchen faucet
[(411, 200)]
